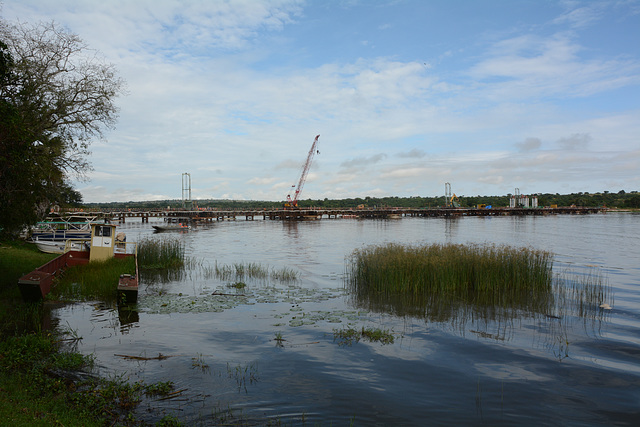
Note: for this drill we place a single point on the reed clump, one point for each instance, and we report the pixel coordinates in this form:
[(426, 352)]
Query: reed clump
[(422, 276), (160, 253), (241, 271)]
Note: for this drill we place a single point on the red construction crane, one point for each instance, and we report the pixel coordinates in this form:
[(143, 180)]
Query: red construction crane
[(293, 202)]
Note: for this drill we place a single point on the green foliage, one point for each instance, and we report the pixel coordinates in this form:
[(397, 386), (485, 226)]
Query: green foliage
[(50, 390), (54, 100)]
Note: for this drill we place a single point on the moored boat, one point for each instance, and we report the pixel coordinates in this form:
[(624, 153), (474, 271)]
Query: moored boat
[(172, 227), (58, 246), (63, 227), (102, 245)]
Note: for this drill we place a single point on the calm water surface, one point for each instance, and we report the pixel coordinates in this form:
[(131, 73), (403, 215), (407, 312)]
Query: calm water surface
[(472, 370)]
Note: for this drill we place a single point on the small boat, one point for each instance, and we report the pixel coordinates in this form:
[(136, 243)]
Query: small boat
[(63, 228), (51, 235), (172, 227), (58, 246), (60, 235)]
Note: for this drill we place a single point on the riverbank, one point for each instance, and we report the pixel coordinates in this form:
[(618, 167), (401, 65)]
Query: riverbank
[(43, 381)]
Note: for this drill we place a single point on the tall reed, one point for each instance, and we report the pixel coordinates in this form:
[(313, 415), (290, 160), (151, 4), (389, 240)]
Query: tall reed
[(420, 276), (241, 271), (160, 253)]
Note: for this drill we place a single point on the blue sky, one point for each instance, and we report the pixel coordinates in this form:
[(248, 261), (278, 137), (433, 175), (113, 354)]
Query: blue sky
[(406, 95)]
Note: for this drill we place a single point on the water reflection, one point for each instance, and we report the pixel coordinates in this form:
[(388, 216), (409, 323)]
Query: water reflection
[(128, 316), (451, 229), (575, 304)]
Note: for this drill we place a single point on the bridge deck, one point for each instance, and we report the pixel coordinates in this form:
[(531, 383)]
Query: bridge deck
[(333, 213)]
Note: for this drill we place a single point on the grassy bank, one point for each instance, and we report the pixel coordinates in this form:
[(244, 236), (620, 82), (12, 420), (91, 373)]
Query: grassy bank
[(42, 382), (16, 259)]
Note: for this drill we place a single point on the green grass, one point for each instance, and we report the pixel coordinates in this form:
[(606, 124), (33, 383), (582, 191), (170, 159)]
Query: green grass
[(97, 280), (40, 386), (17, 258)]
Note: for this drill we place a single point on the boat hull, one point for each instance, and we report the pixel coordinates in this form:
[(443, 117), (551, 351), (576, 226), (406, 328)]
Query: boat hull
[(171, 227), (60, 246), (37, 284)]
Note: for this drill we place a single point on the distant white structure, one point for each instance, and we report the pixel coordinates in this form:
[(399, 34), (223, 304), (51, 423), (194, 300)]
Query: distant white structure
[(187, 203), (518, 200)]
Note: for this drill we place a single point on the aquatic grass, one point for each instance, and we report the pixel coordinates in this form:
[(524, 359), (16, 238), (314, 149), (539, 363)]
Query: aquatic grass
[(165, 253), (585, 294), (284, 274), (96, 280), (456, 283), (487, 275), (241, 271), (243, 374)]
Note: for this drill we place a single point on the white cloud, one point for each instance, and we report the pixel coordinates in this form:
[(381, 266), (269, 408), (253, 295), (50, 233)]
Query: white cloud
[(235, 91)]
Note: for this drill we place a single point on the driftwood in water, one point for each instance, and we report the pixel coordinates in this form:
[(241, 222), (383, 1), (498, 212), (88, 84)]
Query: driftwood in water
[(160, 356)]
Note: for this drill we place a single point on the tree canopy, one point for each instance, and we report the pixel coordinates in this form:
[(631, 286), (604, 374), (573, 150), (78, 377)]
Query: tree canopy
[(56, 97)]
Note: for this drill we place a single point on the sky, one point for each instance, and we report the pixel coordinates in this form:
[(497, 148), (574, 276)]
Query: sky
[(406, 95)]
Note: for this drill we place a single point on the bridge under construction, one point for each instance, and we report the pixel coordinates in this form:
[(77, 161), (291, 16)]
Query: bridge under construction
[(307, 214)]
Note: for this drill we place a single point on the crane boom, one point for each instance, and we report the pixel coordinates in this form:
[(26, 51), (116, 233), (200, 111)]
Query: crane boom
[(293, 202)]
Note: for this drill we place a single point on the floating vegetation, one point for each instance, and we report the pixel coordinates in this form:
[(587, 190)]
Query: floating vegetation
[(349, 336), (221, 299), (93, 281), (238, 285)]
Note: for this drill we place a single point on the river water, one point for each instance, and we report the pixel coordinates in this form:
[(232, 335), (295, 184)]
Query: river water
[(222, 353)]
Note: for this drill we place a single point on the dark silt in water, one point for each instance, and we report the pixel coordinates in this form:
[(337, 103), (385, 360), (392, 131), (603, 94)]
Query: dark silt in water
[(556, 368)]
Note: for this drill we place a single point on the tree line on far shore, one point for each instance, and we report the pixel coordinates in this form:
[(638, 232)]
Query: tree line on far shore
[(621, 199)]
